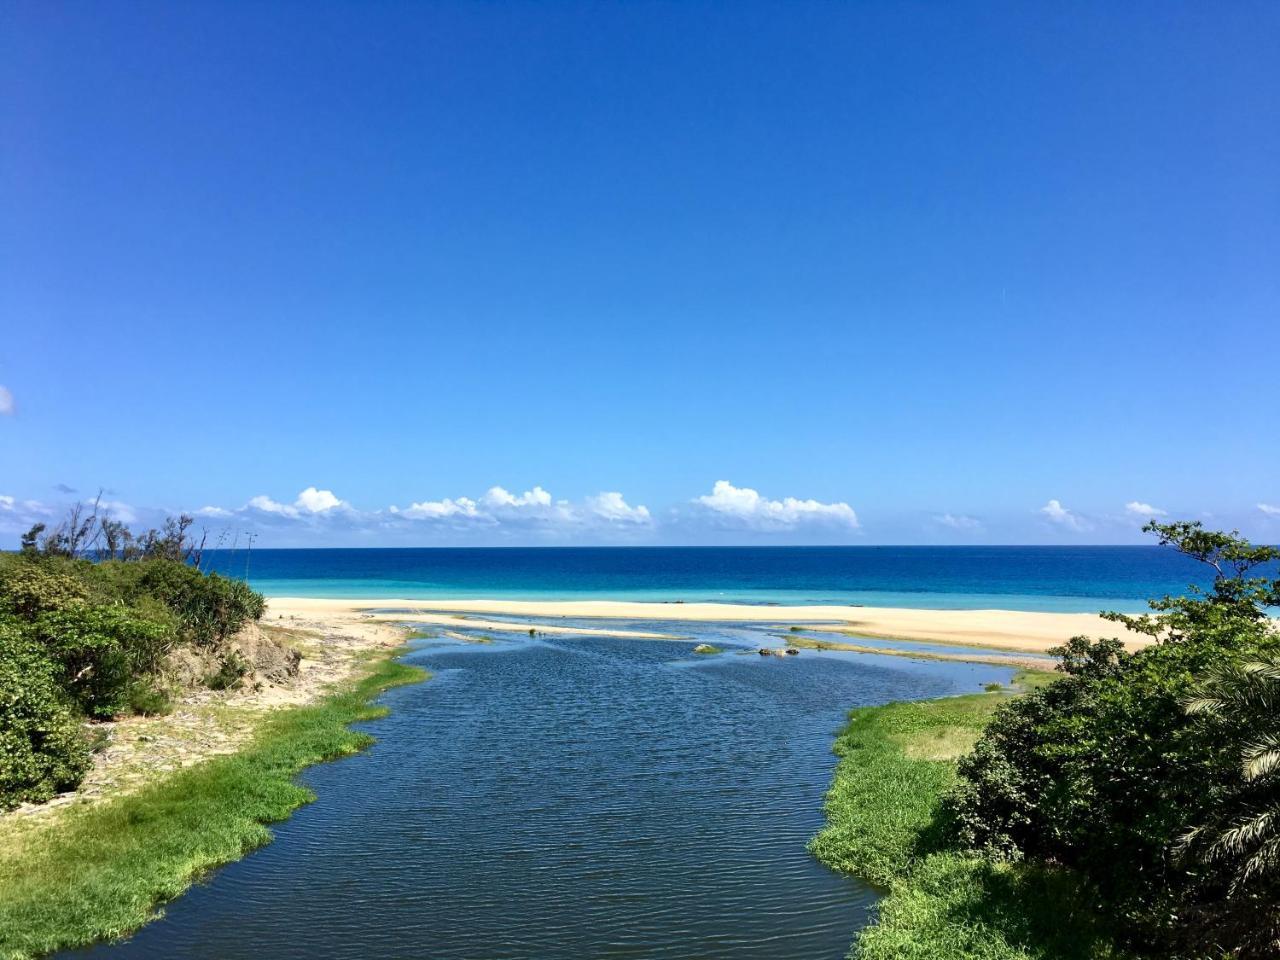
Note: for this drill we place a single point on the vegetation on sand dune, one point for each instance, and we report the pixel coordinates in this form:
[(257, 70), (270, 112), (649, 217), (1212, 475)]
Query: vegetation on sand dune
[(105, 867), (88, 613)]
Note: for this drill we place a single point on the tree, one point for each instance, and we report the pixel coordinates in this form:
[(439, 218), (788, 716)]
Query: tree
[(1105, 771), (1239, 703)]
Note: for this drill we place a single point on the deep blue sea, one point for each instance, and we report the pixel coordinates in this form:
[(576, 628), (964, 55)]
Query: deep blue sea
[(1068, 579)]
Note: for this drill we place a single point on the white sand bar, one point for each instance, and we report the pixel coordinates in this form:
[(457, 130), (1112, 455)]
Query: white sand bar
[(998, 629)]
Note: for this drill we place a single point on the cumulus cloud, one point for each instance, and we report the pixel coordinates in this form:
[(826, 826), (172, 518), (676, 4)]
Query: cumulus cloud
[(317, 501), (214, 512), (746, 507), (532, 509), (1057, 513), (1269, 509), (499, 498), (310, 502), (6, 401), (958, 521), (441, 509), (611, 506), (267, 505), (1137, 508)]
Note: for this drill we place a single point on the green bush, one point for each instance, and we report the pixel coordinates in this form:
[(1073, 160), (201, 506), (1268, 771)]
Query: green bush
[(209, 608), (100, 650), (42, 748), (84, 638), (1106, 772), (147, 699), (31, 585), (229, 673)]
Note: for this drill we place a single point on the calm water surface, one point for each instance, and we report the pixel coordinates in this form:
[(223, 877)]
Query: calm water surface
[(1084, 579), (566, 798)]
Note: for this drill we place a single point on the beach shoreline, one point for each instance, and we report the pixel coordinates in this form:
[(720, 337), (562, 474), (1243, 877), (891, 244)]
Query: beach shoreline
[(1023, 631)]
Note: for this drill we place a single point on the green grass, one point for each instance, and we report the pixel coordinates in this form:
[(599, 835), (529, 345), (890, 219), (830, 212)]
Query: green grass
[(99, 872), (883, 826)]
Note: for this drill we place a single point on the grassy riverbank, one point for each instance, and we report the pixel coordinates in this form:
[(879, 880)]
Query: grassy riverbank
[(99, 872), (896, 762)]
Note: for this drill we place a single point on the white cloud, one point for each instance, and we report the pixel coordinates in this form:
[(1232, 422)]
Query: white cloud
[(1269, 509), (1060, 515), (440, 509), (1139, 509), (498, 497), (217, 512), (309, 502), (746, 507), (267, 505), (6, 401), (116, 510), (610, 505), (958, 521), (18, 514), (317, 501), (534, 509)]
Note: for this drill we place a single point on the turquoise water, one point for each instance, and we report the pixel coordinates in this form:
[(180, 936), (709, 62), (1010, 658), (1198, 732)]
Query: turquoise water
[(1066, 579)]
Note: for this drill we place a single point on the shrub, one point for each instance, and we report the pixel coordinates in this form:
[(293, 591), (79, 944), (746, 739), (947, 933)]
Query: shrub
[(209, 608), (148, 699), (31, 585), (1106, 772), (42, 748), (100, 650), (229, 674)]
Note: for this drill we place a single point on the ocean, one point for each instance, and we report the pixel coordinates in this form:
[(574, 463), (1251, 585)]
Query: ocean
[(1059, 578)]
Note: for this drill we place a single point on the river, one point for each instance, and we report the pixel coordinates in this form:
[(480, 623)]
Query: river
[(550, 798)]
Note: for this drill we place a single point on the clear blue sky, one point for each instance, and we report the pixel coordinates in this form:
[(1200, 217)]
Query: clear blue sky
[(944, 263)]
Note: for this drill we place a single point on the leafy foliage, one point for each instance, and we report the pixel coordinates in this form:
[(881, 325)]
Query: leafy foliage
[(105, 868), (1239, 703), (1105, 771), (100, 649), (87, 614), (208, 608), (884, 825), (229, 673), (42, 748)]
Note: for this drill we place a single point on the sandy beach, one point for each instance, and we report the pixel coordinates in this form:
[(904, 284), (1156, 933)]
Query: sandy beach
[(997, 629)]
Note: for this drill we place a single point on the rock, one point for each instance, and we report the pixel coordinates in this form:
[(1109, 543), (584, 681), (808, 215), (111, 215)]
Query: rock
[(706, 648), (792, 652)]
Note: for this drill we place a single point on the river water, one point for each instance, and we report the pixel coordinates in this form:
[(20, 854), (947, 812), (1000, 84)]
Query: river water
[(552, 798)]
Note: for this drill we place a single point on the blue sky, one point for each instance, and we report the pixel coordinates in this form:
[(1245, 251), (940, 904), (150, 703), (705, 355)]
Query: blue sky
[(915, 272)]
